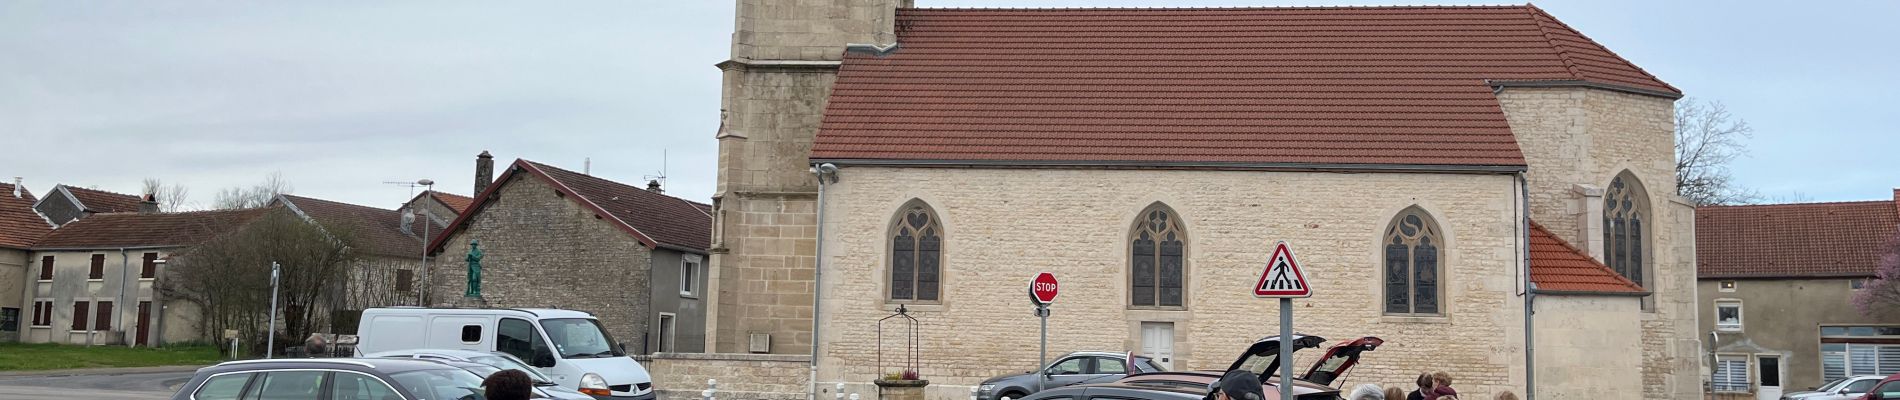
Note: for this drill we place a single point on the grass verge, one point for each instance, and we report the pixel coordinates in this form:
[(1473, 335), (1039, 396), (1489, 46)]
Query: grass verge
[(43, 356)]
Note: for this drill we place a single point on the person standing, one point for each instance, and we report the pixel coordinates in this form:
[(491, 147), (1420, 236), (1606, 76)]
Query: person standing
[(1441, 386), (1395, 393), (1366, 392), (1424, 382), (508, 384), (1239, 384)]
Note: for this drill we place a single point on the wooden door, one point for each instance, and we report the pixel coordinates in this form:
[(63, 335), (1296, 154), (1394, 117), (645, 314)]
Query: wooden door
[(144, 321)]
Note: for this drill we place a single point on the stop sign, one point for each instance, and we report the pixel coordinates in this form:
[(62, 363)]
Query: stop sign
[(1043, 289)]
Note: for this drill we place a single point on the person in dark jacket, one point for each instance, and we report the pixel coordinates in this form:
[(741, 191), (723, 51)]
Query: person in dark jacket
[(508, 384), (1424, 386)]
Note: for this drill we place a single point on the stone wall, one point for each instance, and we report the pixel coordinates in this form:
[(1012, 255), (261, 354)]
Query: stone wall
[(1001, 226), (1578, 136), (119, 284), (784, 56), (740, 376), (1576, 338), (543, 250)]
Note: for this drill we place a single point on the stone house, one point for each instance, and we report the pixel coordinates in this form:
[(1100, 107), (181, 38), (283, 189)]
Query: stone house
[(556, 238), (65, 203), (441, 207), (1441, 171), (20, 227), (1775, 283), (390, 253)]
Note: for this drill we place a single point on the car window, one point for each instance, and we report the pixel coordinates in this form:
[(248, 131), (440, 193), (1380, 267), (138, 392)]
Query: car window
[(504, 362), (1861, 386), (1890, 390), (222, 387), (288, 385), (350, 386), (1068, 367), (518, 338), (441, 384), (1146, 364), (1105, 365)]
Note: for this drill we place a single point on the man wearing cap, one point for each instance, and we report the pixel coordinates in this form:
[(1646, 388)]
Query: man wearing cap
[(1238, 384)]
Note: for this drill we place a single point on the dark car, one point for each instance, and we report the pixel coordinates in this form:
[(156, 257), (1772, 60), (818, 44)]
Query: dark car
[(339, 379), (1069, 369), (1120, 391), (1262, 358), (1888, 389)]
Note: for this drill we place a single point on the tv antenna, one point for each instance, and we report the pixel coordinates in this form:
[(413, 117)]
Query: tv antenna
[(662, 176), (412, 185)]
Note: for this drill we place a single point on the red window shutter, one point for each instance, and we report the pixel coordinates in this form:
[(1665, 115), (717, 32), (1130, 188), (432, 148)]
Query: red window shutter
[(46, 268), (98, 267), (104, 321), (36, 314), (79, 315), (150, 268)]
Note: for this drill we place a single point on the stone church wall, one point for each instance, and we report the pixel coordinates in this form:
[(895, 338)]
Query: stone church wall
[(1001, 226), (542, 250)]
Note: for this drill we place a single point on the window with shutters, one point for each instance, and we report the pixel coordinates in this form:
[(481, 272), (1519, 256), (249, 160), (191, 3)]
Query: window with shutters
[(1859, 350), (916, 271), (1413, 254), (1731, 374), (102, 319), (80, 309), (1625, 215), (148, 268), (46, 268), (42, 314), (98, 270), (1157, 260)]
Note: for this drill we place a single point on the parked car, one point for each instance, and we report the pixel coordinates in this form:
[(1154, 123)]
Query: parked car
[(486, 364), (341, 378), (568, 346), (1262, 358), (1121, 391), (1839, 389), (1069, 369), (1887, 389)]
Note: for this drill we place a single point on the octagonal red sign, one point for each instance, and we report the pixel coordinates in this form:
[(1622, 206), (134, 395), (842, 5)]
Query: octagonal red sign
[(1043, 288)]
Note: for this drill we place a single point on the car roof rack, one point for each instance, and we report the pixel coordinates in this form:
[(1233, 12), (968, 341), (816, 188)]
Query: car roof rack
[(293, 360)]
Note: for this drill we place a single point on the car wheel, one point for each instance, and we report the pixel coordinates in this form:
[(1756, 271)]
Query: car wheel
[(1010, 396)]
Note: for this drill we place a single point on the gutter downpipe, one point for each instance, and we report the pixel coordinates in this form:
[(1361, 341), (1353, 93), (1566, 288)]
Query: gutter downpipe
[(118, 316), (818, 273), (1530, 335)]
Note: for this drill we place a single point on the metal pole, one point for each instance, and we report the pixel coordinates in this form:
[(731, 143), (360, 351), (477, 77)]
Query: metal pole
[(270, 335), (1286, 348), (1042, 311)]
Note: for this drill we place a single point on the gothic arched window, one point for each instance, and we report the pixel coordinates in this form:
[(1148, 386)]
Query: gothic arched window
[(1414, 270), (1625, 209), (916, 254), (1156, 256)]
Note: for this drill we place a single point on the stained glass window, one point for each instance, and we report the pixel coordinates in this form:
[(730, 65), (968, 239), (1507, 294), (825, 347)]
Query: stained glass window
[(1155, 263), (1412, 269), (916, 254), (1624, 211)]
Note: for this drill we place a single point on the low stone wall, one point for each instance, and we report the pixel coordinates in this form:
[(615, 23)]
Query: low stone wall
[(681, 376)]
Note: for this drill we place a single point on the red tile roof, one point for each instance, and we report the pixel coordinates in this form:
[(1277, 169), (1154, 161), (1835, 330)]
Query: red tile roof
[(1354, 86), (1794, 240), (655, 219), (377, 230), (100, 201), (112, 230), (20, 226), (455, 202), (1559, 268)]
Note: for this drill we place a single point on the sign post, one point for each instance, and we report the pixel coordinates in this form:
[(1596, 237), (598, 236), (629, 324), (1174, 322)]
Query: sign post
[(1283, 280), (1042, 291)]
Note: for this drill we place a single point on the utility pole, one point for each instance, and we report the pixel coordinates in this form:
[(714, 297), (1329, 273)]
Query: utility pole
[(270, 335)]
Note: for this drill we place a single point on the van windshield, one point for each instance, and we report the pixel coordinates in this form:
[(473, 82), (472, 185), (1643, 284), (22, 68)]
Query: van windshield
[(580, 338)]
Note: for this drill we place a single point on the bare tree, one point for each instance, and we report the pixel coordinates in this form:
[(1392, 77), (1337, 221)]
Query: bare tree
[(1881, 295), (171, 198), (1707, 139), (255, 196), (228, 276)]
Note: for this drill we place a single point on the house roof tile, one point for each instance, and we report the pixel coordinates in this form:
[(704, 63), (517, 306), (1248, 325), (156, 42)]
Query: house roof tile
[(1347, 86), (377, 230), (20, 226), (100, 201), (656, 220), (1558, 267), (1794, 240), (112, 230), (456, 202)]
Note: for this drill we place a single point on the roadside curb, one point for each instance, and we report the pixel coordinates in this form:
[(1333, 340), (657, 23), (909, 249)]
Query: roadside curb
[(103, 371)]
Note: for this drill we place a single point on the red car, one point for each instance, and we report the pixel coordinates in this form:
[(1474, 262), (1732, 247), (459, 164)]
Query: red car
[(1262, 358), (1887, 389)]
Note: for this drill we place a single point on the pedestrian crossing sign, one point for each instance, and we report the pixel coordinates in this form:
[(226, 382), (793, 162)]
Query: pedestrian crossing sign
[(1282, 277)]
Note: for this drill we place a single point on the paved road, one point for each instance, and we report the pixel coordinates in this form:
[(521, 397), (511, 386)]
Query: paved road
[(101, 386)]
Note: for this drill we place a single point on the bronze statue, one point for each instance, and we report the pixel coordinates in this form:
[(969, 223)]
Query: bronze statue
[(474, 269)]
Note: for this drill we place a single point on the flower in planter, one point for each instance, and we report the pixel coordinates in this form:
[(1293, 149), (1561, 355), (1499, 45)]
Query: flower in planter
[(910, 375)]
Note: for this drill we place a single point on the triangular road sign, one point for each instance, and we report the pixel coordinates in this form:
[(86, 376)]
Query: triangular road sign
[(1282, 277)]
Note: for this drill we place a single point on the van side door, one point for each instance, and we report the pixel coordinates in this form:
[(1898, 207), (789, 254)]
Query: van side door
[(519, 337)]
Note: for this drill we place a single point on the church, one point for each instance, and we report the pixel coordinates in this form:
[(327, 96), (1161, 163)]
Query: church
[(1485, 188)]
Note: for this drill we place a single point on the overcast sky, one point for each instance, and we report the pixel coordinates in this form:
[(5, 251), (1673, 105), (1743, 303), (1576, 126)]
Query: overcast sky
[(340, 97)]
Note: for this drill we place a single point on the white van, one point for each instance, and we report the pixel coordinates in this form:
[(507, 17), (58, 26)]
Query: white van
[(568, 345)]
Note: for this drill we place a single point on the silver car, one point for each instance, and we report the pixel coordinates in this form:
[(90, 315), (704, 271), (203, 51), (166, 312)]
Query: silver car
[(1849, 388), (484, 363)]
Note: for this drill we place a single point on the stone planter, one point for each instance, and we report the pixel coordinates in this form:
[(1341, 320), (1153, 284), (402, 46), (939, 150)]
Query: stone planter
[(902, 389)]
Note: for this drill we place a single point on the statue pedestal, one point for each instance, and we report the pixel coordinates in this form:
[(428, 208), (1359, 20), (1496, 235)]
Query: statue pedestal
[(471, 302), (905, 389)]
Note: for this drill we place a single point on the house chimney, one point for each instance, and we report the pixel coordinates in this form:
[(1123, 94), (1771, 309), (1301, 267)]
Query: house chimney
[(18, 180), (654, 186), (148, 204), (484, 172)]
